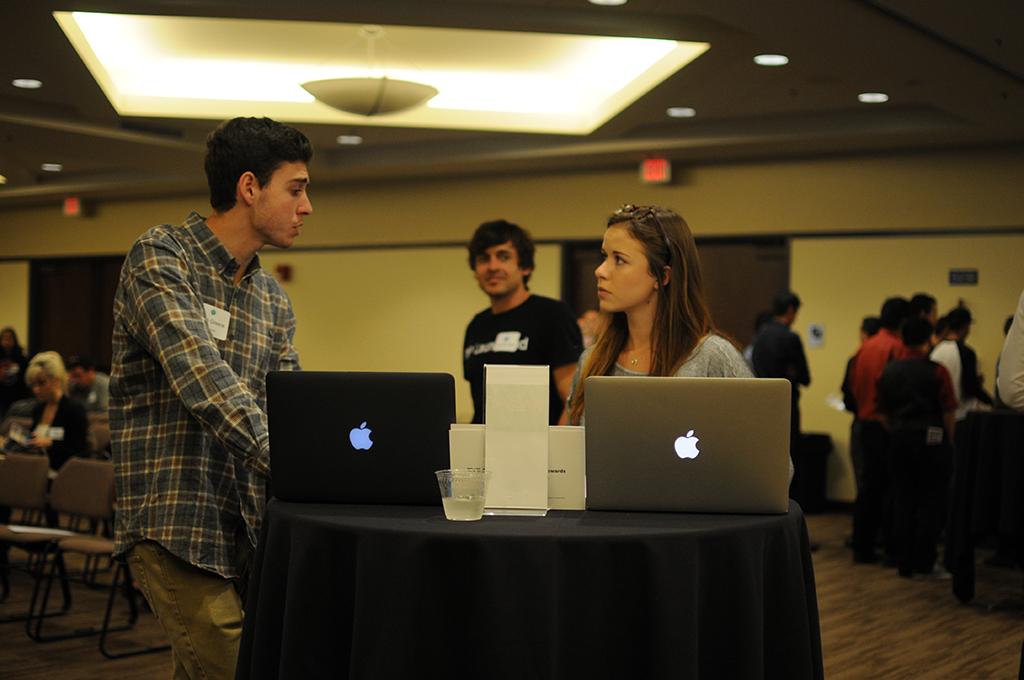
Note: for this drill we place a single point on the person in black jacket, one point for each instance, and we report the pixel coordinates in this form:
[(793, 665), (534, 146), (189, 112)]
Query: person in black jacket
[(925, 306), (12, 370), (970, 379), (59, 424), (779, 353), (916, 400), (961, 362)]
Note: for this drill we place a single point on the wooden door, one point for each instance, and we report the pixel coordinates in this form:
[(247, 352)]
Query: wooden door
[(71, 306)]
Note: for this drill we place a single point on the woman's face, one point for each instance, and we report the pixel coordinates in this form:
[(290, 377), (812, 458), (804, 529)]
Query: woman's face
[(46, 389), (624, 281), (7, 340)]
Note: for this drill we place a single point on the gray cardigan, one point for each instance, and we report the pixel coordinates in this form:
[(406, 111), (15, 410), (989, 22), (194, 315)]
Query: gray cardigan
[(714, 357)]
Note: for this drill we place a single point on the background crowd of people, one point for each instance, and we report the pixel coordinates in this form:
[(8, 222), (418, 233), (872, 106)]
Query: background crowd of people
[(909, 386)]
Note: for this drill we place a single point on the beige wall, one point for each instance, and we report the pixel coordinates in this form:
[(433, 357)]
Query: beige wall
[(842, 280), (970, 189), (370, 309), (392, 309), (412, 304)]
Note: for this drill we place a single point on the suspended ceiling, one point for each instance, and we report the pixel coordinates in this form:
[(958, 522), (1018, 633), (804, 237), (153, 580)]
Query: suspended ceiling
[(954, 74)]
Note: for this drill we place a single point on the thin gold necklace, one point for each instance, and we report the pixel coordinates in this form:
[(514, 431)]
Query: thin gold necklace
[(634, 361)]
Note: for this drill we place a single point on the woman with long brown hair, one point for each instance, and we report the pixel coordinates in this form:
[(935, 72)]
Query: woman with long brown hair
[(652, 295)]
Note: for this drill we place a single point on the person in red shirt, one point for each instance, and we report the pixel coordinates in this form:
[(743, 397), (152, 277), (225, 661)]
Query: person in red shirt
[(917, 403), (872, 358)]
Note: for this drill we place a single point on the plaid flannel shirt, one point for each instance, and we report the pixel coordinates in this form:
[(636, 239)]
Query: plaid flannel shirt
[(187, 411)]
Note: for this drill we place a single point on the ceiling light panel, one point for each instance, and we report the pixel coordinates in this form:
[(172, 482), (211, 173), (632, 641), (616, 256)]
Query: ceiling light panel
[(771, 59), (873, 97), (190, 67), (681, 112)]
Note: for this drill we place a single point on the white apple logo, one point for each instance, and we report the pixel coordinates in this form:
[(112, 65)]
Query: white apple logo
[(360, 437), (686, 447)]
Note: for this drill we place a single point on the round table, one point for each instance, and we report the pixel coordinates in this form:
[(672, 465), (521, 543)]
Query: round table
[(399, 592)]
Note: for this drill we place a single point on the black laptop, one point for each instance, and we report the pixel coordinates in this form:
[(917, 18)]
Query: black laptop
[(376, 438)]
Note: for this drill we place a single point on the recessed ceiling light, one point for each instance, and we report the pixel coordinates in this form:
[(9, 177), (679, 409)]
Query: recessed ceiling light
[(681, 112), (873, 97), (350, 140), (51, 167), (27, 83), (608, 3), (771, 59)]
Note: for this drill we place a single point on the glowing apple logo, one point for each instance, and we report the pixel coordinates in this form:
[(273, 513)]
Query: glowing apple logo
[(686, 447), (360, 437)]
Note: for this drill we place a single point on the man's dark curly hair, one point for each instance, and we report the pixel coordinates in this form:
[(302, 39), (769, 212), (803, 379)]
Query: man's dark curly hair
[(256, 145)]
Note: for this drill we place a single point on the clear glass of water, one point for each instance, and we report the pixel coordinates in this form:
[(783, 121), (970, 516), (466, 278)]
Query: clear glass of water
[(462, 493)]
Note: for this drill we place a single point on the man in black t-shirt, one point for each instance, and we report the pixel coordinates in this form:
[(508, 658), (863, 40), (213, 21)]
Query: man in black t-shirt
[(519, 327), (779, 353)]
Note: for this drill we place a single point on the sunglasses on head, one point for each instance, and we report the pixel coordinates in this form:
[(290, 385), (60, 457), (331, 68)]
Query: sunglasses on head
[(645, 214)]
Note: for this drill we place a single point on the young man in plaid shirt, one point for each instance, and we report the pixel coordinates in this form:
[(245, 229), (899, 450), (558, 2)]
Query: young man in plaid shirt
[(198, 324)]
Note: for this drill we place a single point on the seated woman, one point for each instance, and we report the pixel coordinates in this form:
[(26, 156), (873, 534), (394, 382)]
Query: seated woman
[(59, 424), (656, 318), (12, 370)]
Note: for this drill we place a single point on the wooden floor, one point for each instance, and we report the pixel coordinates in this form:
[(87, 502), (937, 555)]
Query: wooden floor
[(873, 624)]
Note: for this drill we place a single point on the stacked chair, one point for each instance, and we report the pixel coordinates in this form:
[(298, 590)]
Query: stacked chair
[(99, 435), (82, 494)]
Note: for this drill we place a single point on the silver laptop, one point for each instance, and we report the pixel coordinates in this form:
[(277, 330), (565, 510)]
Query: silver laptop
[(687, 444)]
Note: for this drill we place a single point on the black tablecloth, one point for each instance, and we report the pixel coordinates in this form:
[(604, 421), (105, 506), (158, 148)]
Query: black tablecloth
[(399, 592), (988, 481)]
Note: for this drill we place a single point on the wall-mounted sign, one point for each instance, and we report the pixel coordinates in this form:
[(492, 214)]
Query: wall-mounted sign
[(816, 335), (963, 277)]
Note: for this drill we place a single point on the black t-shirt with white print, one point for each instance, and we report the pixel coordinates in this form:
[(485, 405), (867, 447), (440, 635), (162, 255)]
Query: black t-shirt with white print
[(541, 331)]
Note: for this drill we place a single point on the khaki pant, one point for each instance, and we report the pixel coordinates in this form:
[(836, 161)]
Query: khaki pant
[(200, 612)]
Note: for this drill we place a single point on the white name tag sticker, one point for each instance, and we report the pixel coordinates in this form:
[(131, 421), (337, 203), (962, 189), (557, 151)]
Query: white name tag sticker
[(217, 319), (507, 341), (57, 434), (933, 436)]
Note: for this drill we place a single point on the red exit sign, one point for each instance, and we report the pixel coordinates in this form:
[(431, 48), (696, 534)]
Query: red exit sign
[(72, 207), (656, 171)]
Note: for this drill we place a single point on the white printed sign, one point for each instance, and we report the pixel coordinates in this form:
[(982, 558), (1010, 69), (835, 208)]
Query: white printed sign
[(516, 437), (566, 461)]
